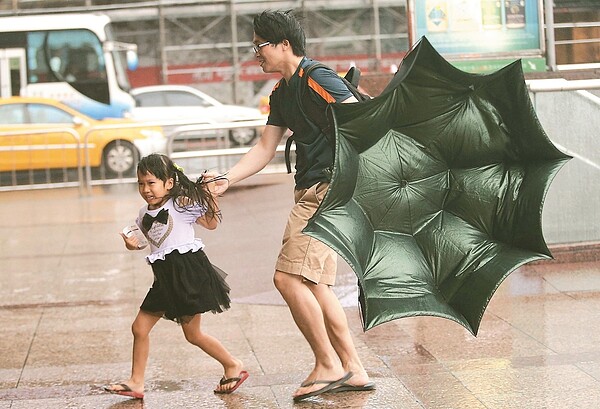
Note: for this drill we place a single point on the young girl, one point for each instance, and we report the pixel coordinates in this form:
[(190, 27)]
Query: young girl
[(185, 284)]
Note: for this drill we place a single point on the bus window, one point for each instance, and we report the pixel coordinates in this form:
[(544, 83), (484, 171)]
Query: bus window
[(15, 82), (36, 60), (76, 56), (120, 72), (72, 58), (15, 75), (12, 71)]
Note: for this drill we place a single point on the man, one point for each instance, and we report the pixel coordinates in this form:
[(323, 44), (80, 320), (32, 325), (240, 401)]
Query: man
[(306, 268)]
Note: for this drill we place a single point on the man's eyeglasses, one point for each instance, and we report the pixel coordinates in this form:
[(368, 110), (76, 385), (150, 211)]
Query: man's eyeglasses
[(257, 47)]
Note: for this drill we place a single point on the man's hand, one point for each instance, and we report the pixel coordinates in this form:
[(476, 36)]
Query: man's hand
[(217, 183)]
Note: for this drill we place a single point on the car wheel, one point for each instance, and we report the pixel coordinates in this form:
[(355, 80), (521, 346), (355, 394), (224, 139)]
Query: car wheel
[(241, 136), (119, 158)]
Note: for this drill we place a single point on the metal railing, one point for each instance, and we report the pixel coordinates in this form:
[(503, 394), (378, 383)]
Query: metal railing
[(536, 87), (100, 128), (180, 128), (31, 148), (17, 179), (550, 29), (570, 118), (221, 153), (560, 84), (582, 24)]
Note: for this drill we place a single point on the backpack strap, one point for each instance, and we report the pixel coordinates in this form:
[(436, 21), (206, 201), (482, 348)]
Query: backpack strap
[(307, 106), (309, 109), (303, 93), (288, 148)]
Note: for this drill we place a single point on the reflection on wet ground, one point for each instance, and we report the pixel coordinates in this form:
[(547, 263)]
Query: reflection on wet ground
[(69, 291)]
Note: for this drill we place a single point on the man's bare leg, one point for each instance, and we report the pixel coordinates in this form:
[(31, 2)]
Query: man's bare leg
[(338, 331), (308, 316)]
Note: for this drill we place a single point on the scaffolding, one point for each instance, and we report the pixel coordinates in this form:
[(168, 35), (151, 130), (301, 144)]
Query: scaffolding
[(203, 42), (208, 43)]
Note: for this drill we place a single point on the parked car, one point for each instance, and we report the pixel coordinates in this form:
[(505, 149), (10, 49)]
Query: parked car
[(184, 103), (116, 150)]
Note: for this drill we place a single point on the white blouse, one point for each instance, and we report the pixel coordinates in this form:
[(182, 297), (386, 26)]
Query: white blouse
[(177, 234)]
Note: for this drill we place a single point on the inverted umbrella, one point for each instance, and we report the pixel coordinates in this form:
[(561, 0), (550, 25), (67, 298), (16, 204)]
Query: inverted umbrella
[(437, 189)]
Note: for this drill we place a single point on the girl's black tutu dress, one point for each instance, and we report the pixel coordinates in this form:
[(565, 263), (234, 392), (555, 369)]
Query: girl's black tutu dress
[(185, 282)]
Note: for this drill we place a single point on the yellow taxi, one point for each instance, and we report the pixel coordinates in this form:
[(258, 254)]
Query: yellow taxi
[(39, 133)]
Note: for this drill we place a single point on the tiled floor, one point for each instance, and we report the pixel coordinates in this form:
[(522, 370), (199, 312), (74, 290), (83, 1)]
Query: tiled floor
[(69, 291)]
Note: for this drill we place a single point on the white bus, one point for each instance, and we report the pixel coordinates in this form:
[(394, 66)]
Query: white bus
[(72, 58)]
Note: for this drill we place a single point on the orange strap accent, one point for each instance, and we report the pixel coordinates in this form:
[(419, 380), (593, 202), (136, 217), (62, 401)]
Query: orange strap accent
[(318, 88)]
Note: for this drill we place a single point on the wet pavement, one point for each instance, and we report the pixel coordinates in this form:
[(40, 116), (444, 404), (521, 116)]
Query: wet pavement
[(69, 291)]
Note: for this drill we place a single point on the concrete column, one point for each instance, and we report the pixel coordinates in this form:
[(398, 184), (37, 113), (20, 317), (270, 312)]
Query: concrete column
[(235, 58), (550, 46), (161, 44)]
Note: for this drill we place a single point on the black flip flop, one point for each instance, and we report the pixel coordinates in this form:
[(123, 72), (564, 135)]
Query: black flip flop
[(346, 387), (329, 385), (126, 391)]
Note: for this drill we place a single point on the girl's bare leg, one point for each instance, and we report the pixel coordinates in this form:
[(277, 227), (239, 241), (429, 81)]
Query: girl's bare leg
[(213, 347), (141, 327)]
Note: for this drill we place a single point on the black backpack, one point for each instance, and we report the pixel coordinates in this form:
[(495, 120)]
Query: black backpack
[(351, 79), (312, 112)]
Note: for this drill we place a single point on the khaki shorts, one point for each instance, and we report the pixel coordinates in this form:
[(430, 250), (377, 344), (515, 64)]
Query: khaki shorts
[(300, 253)]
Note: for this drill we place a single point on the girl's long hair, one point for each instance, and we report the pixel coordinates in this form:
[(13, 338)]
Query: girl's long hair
[(184, 192)]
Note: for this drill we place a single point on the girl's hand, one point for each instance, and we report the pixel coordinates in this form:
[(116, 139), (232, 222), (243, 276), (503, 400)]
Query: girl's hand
[(131, 242)]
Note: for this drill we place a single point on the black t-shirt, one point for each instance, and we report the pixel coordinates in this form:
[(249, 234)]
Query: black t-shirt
[(314, 151)]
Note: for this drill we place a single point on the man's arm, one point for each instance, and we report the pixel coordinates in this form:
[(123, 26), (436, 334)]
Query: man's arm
[(255, 159)]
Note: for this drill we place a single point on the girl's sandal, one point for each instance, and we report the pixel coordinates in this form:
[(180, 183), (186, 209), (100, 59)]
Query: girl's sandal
[(238, 381)]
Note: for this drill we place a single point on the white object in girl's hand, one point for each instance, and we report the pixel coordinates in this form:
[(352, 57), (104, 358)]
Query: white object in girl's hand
[(134, 230)]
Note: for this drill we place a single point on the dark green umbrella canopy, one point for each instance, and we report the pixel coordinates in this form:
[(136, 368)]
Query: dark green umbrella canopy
[(437, 189)]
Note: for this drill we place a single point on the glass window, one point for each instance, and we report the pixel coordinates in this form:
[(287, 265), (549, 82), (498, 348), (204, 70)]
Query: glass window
[(150, 99), (36, 59), (180, 98), (65, 55), (45, 114), (12, 114), (119, 64)]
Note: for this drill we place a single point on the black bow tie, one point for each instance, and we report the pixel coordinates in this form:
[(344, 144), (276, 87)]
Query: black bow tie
[(161, 217)]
